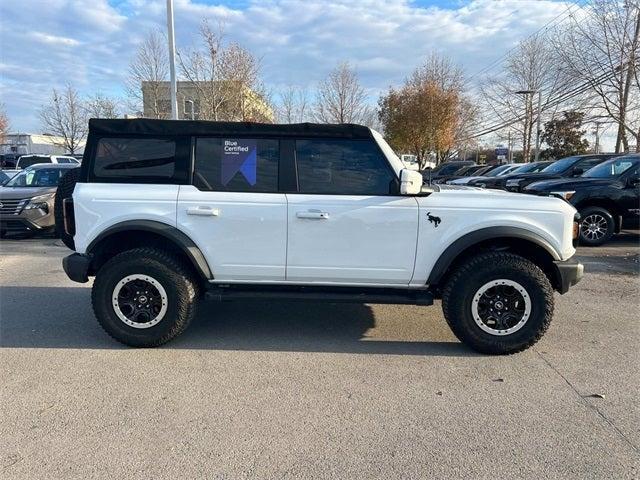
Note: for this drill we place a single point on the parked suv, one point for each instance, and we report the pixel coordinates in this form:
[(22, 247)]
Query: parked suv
[(606, 196), (564, 168), (27, 160), (162, 211), (26, 200)]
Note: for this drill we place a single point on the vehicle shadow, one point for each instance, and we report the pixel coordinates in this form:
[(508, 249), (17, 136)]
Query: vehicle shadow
[(57, 317)]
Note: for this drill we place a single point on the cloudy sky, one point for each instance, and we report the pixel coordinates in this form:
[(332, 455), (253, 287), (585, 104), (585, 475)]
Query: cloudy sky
[(89, 43)]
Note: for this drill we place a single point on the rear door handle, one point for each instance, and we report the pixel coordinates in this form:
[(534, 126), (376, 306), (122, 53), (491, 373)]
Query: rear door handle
[(313, 215), (203, 211)]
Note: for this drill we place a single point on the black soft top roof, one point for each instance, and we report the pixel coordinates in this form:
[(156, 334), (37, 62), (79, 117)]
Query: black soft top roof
[(153, 127)]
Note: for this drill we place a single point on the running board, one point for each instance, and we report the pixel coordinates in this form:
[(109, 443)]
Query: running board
[(321, 294)]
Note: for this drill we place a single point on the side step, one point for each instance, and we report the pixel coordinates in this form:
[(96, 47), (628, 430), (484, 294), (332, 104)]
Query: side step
[(399, 296)]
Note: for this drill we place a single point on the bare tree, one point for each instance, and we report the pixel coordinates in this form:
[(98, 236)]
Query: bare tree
[(603, 52), (4, 122), (101, 106), (293, 106), (225, 79), (341, 98), (65, 117), (530, 68), (148, 71)]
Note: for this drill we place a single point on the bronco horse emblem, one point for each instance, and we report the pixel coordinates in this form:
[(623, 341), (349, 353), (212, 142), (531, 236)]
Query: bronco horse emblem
[(433, 219)]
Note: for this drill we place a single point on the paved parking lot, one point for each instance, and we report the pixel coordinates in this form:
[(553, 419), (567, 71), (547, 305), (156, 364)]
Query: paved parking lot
[(286, 390)]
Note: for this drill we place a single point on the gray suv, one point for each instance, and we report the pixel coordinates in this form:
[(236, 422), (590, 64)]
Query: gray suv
[(26, 201)]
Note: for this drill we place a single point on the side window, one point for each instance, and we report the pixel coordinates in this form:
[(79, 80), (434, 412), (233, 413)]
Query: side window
[(63, 160), (236, 164), (146, 160), (587, 163), (342, 167)]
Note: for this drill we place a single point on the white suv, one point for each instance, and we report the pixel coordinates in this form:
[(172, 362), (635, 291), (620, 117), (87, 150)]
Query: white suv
[(27, 160), (163, 211)]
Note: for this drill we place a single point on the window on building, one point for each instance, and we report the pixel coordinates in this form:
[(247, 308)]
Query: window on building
[(348, 167), (236, 164)]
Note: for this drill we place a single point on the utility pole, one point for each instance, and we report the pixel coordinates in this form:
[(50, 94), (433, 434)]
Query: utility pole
[(509, 149), (530, 112), (597, 132), (173, 85), (538, 126)]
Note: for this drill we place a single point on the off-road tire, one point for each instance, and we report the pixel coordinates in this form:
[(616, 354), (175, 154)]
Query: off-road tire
[(65, 190), (600, 212), (175, 277), (468, 278)]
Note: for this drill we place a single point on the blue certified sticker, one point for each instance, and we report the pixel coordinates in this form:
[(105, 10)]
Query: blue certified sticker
[(239, 155)]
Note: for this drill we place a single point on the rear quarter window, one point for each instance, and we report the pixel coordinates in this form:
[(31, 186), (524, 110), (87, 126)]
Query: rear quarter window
[(141, 160)]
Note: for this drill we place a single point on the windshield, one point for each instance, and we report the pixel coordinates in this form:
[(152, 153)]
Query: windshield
[(612, 168), (561, 165), (41, 177), (498, 170)]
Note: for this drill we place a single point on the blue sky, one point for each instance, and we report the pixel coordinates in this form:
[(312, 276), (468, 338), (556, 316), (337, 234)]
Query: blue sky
[(89, 43)]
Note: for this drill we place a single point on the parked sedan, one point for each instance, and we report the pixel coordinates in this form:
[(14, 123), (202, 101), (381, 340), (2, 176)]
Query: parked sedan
[(499, 181), (493, 172), (26, 200), (605, 196)]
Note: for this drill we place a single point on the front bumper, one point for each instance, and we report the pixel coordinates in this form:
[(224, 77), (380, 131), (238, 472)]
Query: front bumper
[(76, 266), (569, 273), (19, 224)]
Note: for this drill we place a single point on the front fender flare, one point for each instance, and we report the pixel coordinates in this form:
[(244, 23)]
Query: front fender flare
[(461, 244)]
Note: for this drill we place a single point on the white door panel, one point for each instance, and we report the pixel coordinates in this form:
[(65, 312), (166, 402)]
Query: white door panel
[(242, 235), (351, 239)]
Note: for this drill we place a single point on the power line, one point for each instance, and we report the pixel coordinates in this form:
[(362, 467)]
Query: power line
[(566, 13)]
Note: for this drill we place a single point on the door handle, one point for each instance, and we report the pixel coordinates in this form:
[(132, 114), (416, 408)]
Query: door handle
[(203, 211), (313, 215)]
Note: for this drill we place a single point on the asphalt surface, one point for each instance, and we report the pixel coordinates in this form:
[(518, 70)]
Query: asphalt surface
[(287, 390)]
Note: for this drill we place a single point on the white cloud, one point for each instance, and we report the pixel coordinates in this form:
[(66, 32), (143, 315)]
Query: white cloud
[(54, 39), (90, 42)]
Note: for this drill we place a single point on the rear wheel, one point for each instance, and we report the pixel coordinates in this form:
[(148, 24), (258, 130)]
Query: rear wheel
[(498, 303), (144, 297), (596, 227)]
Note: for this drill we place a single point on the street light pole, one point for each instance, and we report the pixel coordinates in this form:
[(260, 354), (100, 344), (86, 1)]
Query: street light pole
[(173, 86)]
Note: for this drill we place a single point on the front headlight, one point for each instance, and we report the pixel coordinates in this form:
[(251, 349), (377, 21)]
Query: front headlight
[(513, 182), (565, 195), (41, 202)]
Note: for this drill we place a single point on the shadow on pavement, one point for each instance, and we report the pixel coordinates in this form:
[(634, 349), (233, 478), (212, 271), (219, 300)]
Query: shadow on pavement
[(38, 317)]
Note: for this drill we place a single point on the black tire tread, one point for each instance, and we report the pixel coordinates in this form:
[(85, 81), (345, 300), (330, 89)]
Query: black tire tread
[(456, 282), (177, 272), (65, 189)]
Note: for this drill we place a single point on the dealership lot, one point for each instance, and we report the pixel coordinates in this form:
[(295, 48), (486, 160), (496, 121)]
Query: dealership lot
[(289, 390)]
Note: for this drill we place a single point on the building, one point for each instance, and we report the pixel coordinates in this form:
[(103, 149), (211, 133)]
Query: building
[(26, 143), (194, 104)]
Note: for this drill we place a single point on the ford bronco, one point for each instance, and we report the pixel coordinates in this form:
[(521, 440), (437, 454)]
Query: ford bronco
[(162, 212)]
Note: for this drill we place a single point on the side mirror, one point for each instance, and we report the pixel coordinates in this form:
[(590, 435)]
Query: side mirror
[(633, 181), (577, 171), (410, 182)]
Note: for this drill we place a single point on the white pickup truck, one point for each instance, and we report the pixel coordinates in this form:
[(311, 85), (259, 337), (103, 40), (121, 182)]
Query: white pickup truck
[(162, 212)]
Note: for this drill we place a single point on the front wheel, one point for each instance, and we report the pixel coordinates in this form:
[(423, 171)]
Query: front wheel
[(144, 297), (498, 303), (596, 227)]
